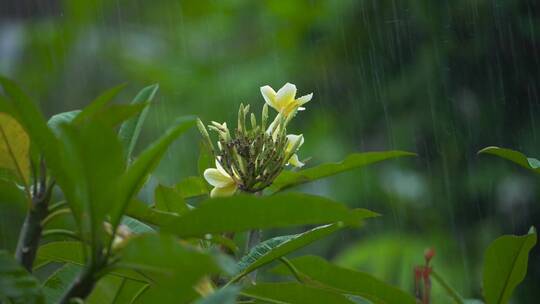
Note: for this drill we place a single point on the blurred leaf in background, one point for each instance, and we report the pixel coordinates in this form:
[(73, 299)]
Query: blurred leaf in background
[(443, 79)]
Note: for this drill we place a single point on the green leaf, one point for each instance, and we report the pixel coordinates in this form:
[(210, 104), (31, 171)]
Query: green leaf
[(14, 147), (62, 118), (226, 295), (136, 174), (58, 282), (131, 129), (110, 116), (33, 122), (245, 212), (140, 254), (169, 200), (136, 226), (289, 179), (73, 253), (322, 273), (115, 114), (516, 157), (293, 293), (113, 290), (16, 283), (505, 266), (96, 167), (192, 186), (173, 273), (277, 247), (145, 214), (98, 104)]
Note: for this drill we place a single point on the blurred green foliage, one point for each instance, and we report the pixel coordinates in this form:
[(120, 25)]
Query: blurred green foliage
[(441, 78)]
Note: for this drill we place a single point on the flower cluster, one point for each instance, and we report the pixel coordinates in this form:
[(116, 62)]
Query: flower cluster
[(251, 157)]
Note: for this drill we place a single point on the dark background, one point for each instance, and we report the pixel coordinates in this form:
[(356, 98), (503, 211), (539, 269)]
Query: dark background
[(440, 78)]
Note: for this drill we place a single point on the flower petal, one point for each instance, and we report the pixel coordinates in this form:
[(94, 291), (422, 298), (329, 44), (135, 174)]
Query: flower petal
[(286, 95), (223, 191), (304, 99), (274, 124), (294, 161), (215, 178), (221, 170), (269, 96), (292, 139)]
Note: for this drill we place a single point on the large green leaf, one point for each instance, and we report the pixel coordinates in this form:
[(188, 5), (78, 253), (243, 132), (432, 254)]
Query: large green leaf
[(320, 272), (16, 283), (137, 174), (95, 168), (131, 129), (114, 115), (289, 179), (505, 266), (277, 247), (293, 293), (173, 272), (111, 115), (14, 148), (192, 186), (72, 253), (169, 200), (140, 254), (516, 157), (245, 212), (34, 123), (98, 104)]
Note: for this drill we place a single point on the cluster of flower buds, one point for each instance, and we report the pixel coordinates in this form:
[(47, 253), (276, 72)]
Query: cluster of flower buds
[(252, 156)]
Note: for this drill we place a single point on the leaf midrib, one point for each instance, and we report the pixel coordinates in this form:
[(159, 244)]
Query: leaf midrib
[(507, 279), (8, 145)]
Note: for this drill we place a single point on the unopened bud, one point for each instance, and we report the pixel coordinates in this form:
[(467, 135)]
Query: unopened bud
[(253, 121), (264, 116), (204, 133), (428, 254)]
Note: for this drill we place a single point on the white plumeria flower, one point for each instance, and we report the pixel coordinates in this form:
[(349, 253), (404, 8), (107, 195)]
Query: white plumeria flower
[(285, 101), (224, 184), (292, 142)]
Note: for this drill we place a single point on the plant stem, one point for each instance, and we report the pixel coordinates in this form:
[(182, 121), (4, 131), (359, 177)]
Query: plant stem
[(81, 287), (449, 290), (254, 238), (31, 234), (31, 230)]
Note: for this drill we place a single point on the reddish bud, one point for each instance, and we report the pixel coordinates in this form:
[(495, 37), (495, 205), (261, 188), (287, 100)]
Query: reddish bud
[(428, 254)]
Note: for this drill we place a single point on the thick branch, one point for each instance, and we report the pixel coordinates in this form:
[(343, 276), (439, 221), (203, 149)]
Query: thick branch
[(31, 234), (32, 227), (81, 287)]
